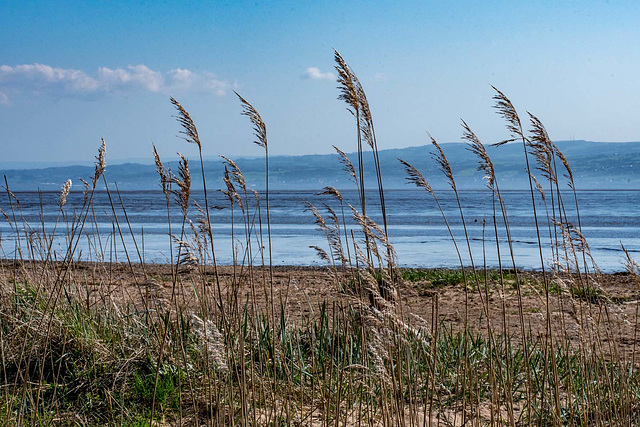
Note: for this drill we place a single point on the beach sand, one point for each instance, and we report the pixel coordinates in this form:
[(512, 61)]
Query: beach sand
[(608, 319)]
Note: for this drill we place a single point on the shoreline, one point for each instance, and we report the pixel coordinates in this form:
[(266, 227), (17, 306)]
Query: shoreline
[(305, 267)]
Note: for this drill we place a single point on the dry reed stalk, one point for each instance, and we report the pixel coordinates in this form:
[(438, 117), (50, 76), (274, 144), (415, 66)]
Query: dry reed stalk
[(260, 133), (445, 168), (53, 299), (486, 166), (331, 191), (232, 194), (182, 194), (369, 136), (334, 238), (190, 134), (506, 109), (329, 258), (348, 92)]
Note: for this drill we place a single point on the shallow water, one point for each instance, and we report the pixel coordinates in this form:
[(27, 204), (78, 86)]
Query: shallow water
[(416, 227)]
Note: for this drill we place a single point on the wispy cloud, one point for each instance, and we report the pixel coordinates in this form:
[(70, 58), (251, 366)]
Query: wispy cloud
[(44, 78), (314, 73), (4, 99), (379, 77)]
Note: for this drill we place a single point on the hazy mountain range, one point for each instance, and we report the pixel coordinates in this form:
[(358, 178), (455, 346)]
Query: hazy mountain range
[(595, 165)]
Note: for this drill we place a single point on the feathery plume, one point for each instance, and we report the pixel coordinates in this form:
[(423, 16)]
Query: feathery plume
[(235, 172), (542, 148), (100, 163), (573, 238), (66, 187), (85, 188), (508, 112), (415, 177), (366, 119), (346, 84), (322, 254), (346, 164), (565, 163), (201, 219), (330, 191), (259, 128), (361, 257), (539, 188), (319, 219), (187, 259), (165, 174), (231, 192), (476, 147), (189, 128), (183, 181), (333, 235), (212, 341), (374, 232), (442, 162)]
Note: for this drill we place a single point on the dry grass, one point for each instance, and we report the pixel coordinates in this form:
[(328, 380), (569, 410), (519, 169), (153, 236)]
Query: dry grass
[(361, 342)]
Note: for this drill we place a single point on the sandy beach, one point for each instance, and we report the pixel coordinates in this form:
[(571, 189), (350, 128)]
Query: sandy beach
[(300, 292)]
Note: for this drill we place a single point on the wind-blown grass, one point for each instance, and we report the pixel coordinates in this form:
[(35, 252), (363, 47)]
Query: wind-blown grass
[(78, 348)]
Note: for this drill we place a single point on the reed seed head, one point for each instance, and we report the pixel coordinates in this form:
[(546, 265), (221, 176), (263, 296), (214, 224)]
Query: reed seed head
[(66, 187), (415, 177), (346, 84), (508, 112), (322, 254), (189, 132), (259, 128), (542, 148), (100, 163), (566, 165), (165, 174), (443, 163), (235, 172), (477, 148), (183, 181), (330, 191), (346, 164)]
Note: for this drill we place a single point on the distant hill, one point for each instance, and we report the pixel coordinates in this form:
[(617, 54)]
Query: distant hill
[(596, 165)]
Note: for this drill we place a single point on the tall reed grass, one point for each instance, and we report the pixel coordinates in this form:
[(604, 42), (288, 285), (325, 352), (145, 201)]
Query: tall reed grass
[(219, 346)]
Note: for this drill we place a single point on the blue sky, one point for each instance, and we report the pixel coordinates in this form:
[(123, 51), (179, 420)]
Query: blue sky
[(73, 72)]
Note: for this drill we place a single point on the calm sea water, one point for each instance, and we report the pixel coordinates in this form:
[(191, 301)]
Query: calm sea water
[(416, 227)]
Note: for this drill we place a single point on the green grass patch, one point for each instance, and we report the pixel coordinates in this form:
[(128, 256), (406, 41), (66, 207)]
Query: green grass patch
[(588, 293), (440, 277)]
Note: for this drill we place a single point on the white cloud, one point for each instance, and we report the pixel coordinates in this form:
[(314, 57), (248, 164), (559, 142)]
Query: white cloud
[(135, 76), (314, 73), (41, 78), (379, 77), (211, 83), (181, 77)]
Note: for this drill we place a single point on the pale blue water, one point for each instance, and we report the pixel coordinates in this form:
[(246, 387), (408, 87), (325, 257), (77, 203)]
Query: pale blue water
[(416, 227)]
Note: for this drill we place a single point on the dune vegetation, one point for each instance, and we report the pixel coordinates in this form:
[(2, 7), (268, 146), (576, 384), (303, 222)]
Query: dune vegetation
[(99, 342)]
